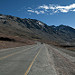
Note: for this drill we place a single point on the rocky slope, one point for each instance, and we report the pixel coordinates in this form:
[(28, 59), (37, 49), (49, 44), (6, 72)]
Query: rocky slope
[(36, 30)]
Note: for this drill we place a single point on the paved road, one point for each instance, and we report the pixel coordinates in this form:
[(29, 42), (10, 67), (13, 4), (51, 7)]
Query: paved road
[(38, 59), (22, 60)]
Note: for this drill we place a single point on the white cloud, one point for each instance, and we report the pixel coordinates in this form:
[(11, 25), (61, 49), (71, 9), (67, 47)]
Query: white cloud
[(42, 12), (63, 9), (73, 10), (43, 7), (56, 8), (37, 12), (51, 8), (31, 11), (29, 8)]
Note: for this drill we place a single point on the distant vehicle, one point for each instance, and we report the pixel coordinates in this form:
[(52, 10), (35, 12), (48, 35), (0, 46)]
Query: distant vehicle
[(41, 42)]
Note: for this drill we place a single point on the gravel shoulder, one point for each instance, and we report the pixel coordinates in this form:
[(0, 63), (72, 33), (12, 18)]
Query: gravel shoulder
[(64, 62)]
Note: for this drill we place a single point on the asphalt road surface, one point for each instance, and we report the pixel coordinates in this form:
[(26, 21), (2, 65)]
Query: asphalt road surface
[(38, 59)]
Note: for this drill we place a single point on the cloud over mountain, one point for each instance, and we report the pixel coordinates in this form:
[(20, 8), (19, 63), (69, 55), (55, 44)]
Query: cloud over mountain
[(35, 11), (51, 8)]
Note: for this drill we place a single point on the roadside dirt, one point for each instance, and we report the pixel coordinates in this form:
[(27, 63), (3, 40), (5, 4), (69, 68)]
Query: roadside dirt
[(7, 41), (62, 64)]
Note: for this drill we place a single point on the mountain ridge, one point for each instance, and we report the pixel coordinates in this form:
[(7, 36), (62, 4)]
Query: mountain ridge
[(36, 30)]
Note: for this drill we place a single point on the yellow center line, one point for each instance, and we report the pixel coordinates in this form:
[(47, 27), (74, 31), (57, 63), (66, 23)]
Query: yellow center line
[(14, 53), (32, 62)]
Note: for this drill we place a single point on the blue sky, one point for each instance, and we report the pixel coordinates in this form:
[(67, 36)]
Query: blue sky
[(51, 12)]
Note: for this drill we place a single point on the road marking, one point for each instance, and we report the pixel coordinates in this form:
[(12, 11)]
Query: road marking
[(32, 62), (15, 53)]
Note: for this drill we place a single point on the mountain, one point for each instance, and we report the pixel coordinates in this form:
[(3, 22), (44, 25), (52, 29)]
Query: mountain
[(33, 29)]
